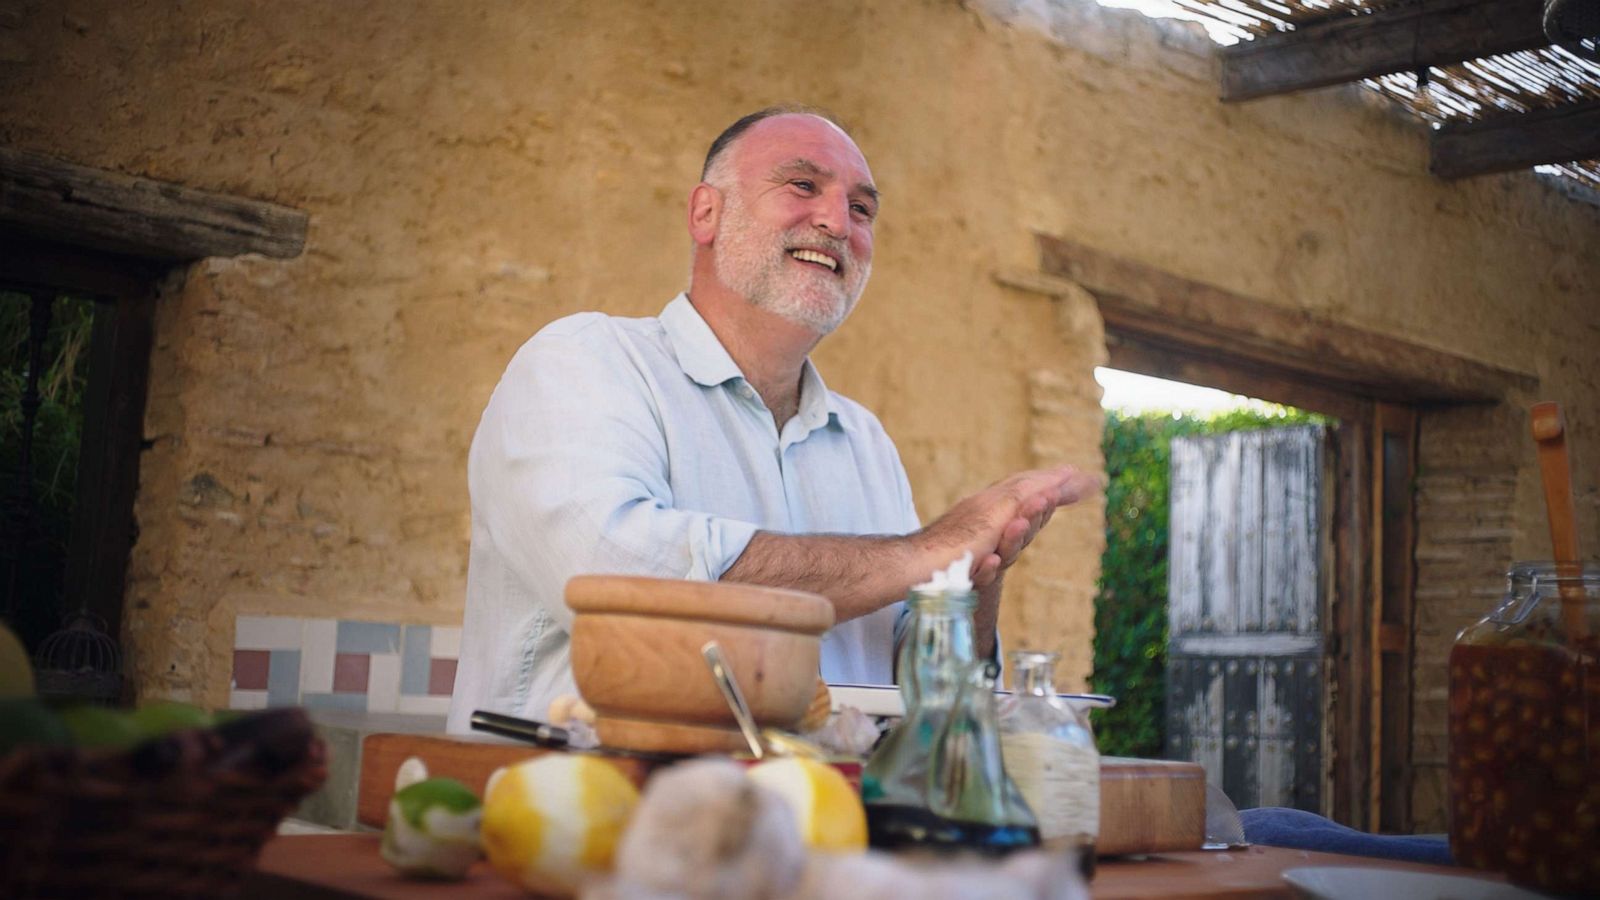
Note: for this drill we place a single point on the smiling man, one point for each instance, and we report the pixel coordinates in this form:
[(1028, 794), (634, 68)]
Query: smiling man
[(703, 444)]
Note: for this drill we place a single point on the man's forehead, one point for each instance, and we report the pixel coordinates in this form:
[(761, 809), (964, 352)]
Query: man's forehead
[(800, 139)]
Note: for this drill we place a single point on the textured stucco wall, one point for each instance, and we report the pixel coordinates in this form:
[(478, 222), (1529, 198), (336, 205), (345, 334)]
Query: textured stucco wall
[(475, 170)]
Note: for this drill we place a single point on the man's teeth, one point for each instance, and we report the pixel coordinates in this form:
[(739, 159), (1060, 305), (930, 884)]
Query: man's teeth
[(815, 257)]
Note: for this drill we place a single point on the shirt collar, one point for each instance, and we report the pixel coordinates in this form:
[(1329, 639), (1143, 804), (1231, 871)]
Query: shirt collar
[(818, 406), (700, 355), (703, 358)]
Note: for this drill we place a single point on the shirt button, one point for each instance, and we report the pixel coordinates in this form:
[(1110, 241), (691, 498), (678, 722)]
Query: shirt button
[(747, 392)]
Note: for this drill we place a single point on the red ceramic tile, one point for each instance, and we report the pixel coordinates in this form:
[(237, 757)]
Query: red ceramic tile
[(350, 672), (441, 676), (250, 669)]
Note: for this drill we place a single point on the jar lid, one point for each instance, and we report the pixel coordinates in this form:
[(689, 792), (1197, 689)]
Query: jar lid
[(1549, 571), (961, 601)]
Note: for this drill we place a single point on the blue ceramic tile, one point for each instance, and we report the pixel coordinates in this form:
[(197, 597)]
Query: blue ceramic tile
[(415, 659), (283, 678), (348, 702), (368, 637)]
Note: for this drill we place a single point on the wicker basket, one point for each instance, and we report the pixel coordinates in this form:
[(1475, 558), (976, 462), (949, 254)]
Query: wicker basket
[(182, 816)]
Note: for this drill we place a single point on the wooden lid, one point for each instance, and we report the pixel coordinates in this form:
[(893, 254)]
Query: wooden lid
[(706, 601)]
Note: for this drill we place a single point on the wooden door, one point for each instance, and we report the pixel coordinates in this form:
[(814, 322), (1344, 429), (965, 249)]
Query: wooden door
[(1246, 578)]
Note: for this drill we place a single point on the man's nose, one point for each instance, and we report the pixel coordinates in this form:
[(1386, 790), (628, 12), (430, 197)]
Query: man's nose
[(831, 215)]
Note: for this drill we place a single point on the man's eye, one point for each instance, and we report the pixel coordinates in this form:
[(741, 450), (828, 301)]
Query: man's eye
[(804, 185), (862, 209)]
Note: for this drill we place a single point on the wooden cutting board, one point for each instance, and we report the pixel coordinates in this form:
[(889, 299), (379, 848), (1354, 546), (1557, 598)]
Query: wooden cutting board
[(1146, 805), (1150, 805)]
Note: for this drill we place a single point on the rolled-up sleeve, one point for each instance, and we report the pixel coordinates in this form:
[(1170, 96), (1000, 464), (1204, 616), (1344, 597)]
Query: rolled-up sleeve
[(569, 473)]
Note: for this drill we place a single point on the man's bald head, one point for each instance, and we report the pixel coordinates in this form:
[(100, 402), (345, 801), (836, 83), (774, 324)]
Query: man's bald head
[(782, 219), (717, 156)]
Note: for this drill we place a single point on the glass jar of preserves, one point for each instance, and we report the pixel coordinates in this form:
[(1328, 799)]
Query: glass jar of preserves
[(1525, 731)]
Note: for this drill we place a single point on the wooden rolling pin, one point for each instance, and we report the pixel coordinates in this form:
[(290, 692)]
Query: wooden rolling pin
[(1555, 470)]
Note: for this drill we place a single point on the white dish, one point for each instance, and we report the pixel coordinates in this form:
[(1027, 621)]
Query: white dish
[(884, 700), (1356, 883)]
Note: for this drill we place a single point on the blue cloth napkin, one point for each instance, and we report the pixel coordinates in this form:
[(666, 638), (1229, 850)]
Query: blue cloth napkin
[(1276, 826)]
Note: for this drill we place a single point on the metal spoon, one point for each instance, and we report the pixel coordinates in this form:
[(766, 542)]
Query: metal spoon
[(712, 651)]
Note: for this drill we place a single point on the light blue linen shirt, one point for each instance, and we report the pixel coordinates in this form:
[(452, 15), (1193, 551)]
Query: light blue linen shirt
[(636, 447)]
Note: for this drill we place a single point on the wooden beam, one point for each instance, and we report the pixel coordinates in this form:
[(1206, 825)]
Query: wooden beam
[(1504, 143), (1181, 364), (1396, 39), (1164, 310), (49, 199)]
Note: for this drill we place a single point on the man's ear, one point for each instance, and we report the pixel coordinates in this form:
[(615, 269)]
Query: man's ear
[(705, 213)]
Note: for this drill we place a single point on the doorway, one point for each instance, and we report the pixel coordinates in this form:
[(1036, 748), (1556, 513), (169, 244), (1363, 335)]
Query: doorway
[(1378, 387), (82, 336), (74, 231), (44, 367), (1214, 582)]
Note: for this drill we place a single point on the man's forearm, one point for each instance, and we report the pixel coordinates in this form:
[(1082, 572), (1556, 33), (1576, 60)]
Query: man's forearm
[(860, 574)]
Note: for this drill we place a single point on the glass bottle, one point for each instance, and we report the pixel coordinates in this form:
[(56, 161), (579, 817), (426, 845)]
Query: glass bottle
[(1050, 752), (1525, 731), (938, 779)]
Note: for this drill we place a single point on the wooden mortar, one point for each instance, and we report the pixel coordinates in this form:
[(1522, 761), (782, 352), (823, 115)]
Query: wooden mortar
[(636, 658)]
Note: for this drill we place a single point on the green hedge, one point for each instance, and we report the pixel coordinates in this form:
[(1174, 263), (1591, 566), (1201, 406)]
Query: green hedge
[(56, 436), (1130, 641)]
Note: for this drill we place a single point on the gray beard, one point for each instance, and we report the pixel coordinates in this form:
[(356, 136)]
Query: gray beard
[(752, 268)]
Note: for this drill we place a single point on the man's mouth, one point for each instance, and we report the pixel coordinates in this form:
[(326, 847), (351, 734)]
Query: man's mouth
[(816, 257)]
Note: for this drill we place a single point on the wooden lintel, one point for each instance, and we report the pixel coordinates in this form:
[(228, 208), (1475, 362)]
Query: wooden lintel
[(1162, 310), (1504, 143), (48, 199), (1234, 376), (1401, 38)]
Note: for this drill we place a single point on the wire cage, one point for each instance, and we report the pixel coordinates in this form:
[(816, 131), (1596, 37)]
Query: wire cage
[(79, 662)]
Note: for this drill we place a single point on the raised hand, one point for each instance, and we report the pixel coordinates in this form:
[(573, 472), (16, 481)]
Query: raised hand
[(998, 522)]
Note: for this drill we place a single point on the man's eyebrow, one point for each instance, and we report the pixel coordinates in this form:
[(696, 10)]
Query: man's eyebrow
[(802, 166), (799, 165)]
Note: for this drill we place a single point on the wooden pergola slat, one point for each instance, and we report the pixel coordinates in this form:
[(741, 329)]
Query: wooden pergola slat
[(1392, 39), (45, 198), (1504, 143)]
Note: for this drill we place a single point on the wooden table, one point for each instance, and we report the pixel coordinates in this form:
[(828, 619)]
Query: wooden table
[(345, 866)]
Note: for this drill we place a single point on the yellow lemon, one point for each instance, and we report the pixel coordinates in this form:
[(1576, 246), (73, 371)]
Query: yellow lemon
[(16, 669), (826, 807), (551, 823)]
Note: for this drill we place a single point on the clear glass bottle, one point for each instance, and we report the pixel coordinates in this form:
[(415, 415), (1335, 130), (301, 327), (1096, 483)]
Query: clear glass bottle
[(938, 780), (1525, 731), (1050, 752)]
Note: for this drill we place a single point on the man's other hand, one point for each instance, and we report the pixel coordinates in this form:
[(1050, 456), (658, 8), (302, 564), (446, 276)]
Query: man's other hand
[(998, 522)]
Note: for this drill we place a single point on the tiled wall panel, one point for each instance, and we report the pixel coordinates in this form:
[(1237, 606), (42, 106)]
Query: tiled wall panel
[(343, 664)]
